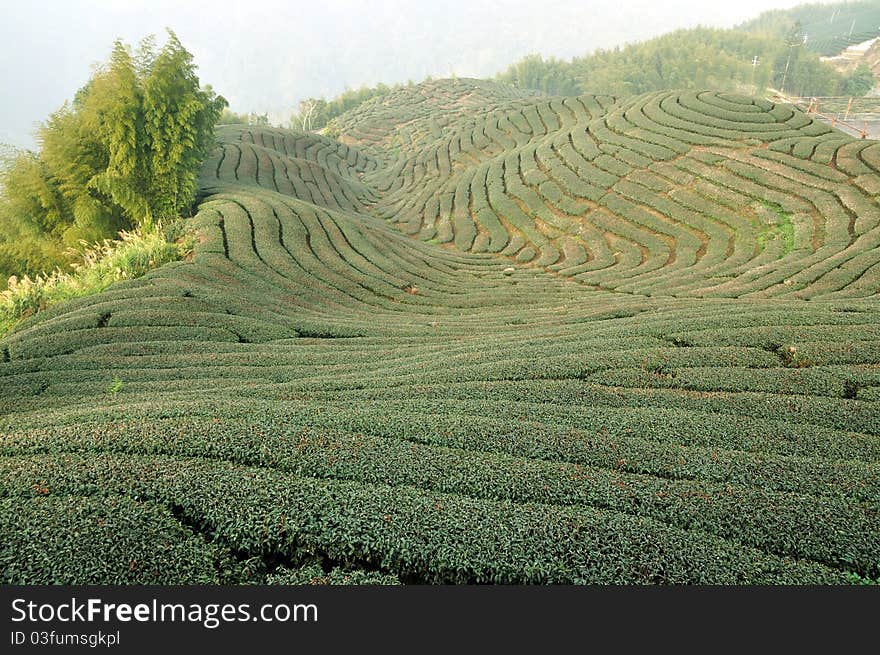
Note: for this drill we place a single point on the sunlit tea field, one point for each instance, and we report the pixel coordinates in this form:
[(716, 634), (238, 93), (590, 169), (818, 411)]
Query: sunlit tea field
[(474, 335)]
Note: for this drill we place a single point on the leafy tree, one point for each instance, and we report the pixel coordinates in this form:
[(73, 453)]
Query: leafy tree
[(179, 119), (232, 118), (27, 216), (71, 156), (831, 27), (552, 76), (113, 115), (693, 58), (316, 113), (124, 153), (859, 82), (258, 119), (311, 114)]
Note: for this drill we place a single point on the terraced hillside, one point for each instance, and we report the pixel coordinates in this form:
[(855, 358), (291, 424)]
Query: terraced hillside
[(480, 337)]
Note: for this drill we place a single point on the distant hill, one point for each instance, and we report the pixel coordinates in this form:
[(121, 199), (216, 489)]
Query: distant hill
[(829, 27), (778, 48)]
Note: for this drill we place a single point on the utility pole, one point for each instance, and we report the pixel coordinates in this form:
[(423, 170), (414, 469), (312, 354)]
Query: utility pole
[(788, 62), (785, 72), (754, 66)]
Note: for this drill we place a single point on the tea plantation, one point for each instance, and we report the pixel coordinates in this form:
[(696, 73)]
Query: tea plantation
[(477, 336)]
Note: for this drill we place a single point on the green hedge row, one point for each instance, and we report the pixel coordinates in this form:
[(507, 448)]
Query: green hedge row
[(434, 536), (828, 529), (54, 538)]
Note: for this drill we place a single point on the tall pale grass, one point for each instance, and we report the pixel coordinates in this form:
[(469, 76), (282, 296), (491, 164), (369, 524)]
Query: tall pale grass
[(97, 267)]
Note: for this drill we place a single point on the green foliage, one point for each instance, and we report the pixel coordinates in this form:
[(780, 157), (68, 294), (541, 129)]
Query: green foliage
[(316, 113), (26, 218), (553, 77), (115, 386), (859, 82), (74, 159), (698, 58), (125, 153), (779, 226), (231, 118), (855, 578), (179, 119), (830, 27), (98, 266), (113, 540), (313, 574), (422, 534)]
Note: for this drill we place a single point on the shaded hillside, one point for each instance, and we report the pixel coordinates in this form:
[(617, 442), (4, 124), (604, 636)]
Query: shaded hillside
[(481, 337), (830, 27)]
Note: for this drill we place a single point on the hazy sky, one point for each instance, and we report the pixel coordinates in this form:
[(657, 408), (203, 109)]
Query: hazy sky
[(266, 55)]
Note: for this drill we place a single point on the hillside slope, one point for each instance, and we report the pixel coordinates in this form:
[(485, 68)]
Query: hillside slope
[(830, 27), (867, 53), (481, 337)]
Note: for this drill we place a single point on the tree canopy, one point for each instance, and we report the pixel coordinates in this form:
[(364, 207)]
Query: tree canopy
[(718, 59), (316, 113), (125, 152), (232, 118)]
